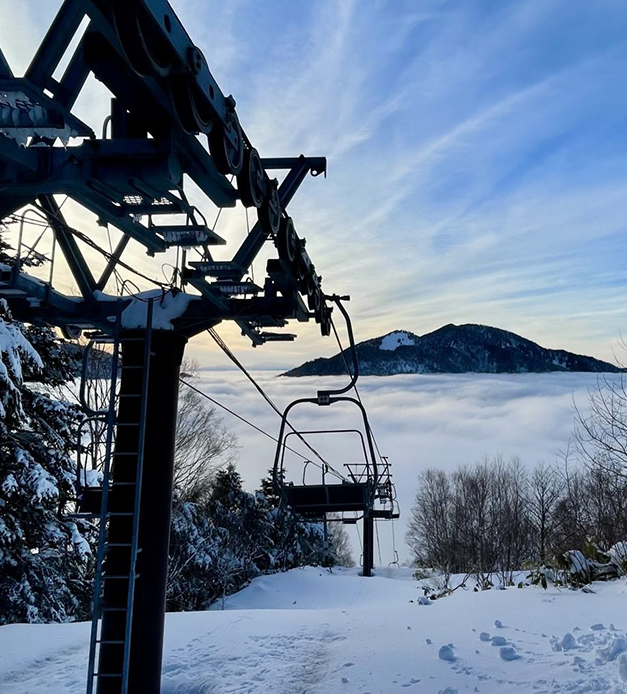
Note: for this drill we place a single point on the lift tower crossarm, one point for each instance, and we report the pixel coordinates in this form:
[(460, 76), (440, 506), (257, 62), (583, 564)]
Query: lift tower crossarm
[(299, 168)]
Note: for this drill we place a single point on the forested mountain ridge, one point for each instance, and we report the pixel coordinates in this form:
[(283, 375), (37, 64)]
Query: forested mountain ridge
[(453, 349)]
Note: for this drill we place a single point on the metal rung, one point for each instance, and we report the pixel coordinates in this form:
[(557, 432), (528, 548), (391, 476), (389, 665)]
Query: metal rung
[(132, 366), (127, 453), (128, 424), (107, 674), (130, 395), (119, 577), (82, 515), (114, 609), (122, 544), (123, 484), (121, 513), (109, 640)]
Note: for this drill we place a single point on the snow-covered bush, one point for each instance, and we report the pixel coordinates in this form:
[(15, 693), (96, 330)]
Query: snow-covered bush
[(219, 544)]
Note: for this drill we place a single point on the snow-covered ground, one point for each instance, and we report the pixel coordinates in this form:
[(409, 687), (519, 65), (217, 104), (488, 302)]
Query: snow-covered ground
[(310, 631)]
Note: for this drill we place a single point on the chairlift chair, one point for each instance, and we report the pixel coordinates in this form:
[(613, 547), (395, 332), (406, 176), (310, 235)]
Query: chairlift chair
[(355, 492)]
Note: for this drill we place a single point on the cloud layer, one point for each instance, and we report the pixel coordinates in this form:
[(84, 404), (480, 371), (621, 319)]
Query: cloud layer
[(419, 422)]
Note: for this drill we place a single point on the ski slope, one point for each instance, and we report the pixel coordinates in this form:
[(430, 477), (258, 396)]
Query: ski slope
[(310, 630)]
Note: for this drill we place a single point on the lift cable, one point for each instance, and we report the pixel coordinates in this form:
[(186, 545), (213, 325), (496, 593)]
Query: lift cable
[(41, 222), (225, 348), (205, 252), (240, 417), (92, 244)]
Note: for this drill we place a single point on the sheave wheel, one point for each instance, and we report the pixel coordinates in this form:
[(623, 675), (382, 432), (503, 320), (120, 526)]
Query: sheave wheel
[(287, 240), (226, 145), (146, 50), (251, 181), (270, 211)]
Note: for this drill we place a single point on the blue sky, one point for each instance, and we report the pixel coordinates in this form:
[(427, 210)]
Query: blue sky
[(477, 167)]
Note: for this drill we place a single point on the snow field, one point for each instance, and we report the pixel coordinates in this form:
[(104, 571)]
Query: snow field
[(310, 631)]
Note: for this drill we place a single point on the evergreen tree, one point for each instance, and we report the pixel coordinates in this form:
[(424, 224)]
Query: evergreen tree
[(44, 559), (219, 545)]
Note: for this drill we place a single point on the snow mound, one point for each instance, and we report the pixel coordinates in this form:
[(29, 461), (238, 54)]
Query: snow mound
[(616, 648), (314, 588), (446, 653), (508, 653)]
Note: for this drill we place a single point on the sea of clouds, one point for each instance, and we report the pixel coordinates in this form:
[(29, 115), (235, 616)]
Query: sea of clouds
[(419, 421)]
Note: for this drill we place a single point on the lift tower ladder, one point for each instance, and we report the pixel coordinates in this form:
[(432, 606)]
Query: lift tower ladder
[(118, 545)]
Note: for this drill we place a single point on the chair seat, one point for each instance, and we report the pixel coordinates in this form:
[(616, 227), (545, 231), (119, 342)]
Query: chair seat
[(314, 500)]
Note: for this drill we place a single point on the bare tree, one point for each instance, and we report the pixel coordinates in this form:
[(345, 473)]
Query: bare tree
[(431, 531), (600, 447), (510, 517), (601, 434), (473, 520), (474, 491), (545, 492), (203, 444)]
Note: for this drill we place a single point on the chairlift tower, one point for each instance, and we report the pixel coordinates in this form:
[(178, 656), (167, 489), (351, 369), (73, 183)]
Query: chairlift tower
[(169, 120)]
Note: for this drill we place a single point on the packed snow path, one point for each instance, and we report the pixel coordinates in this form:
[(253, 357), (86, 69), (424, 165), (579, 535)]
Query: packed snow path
[(309, 631)]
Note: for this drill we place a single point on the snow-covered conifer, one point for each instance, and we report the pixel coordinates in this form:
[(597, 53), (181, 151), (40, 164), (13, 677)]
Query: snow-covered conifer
[(43, 556)]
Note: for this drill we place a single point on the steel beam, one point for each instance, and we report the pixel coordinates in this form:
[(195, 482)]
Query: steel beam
[(300, 167), (368, 540), (74, 258), (113, 261), (74, 78), (317, 165), (17, 157), (55, 43), (5, 70)]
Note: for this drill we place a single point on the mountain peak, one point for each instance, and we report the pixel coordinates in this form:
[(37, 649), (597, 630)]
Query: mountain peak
[(454, 349)]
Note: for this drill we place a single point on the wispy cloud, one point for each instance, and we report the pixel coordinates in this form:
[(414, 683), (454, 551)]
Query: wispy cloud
[(477, 160)]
